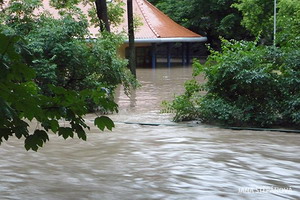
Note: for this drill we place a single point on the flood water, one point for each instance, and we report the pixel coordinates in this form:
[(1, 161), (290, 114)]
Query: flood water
[(170, 161)]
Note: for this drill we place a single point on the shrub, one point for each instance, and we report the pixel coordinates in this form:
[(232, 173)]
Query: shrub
[(247, 85)]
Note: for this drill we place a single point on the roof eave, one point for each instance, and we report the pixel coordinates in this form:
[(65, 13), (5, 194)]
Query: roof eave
[(165, 40)]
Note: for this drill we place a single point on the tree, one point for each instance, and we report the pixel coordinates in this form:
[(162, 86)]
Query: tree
[(288, 21), (115, 15), (101, 7), (258, 18), (132, 59)]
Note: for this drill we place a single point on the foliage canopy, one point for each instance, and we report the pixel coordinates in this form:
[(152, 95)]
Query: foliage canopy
[(53, 74), (258, 17)]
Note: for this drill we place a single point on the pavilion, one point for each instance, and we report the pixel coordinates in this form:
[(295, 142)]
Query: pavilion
[(158, 28)]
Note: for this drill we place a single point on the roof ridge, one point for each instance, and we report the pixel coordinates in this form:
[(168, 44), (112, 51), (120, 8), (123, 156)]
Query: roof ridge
[(146, 17)]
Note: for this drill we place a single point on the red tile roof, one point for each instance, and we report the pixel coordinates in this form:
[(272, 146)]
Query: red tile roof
[(155, 23)]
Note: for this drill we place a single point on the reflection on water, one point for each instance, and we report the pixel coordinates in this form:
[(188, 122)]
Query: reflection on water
[(153, 162)]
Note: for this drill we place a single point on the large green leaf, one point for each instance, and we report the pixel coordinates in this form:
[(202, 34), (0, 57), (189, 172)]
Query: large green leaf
[(36, 140), (103, 121), (65, 132)]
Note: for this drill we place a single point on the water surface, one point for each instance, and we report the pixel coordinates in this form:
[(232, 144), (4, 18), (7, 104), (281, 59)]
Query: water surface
[(177, 162)]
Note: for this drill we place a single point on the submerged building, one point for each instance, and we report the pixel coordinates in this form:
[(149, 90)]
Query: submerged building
[(158, 33)]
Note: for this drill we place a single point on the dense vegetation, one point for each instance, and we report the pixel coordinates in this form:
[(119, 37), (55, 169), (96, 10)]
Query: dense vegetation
[(248, 83), (51, 71)]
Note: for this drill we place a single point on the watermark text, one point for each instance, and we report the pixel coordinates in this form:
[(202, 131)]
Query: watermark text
[(265, 189)]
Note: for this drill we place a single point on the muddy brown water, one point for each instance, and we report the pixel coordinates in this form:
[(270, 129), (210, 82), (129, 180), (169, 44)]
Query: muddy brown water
[(177, 162)]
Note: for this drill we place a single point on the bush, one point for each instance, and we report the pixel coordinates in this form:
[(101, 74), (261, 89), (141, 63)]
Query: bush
[(247, 85), (51, 71), (63, 53)]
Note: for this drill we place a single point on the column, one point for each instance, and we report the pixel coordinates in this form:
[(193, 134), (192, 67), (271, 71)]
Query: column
[(169, 54), (187, 53), (183, 53), (153, 55)]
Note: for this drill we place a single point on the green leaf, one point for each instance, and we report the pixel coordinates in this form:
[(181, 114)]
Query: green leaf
[(103, 121), (31, 143), (5, 133), (65, 132), (20, 128), (36, 140), (5, 110), (42, 135), (54, 125), (80, 132)]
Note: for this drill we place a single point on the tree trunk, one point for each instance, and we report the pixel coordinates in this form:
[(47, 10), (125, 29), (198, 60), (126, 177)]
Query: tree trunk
[(101, 7), (132, 59)]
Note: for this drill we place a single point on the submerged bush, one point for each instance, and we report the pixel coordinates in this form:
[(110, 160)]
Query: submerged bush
[(247, 85)]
